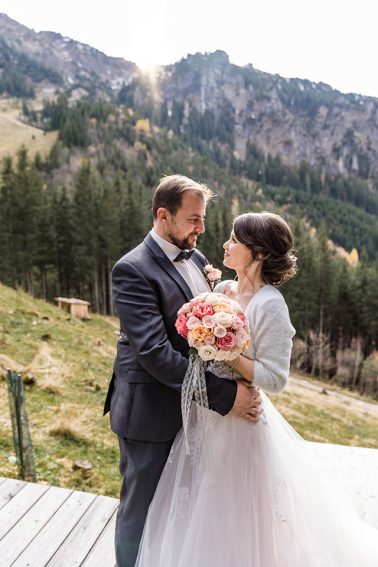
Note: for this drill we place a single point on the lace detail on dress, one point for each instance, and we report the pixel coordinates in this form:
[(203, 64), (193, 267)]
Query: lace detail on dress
[(182, 502), (170, 457), (278, 497)]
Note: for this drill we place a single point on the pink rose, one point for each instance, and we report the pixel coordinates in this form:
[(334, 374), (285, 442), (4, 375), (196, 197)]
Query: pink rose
[(227, 342), (243, 320), (237, 323), (184, 309), (202, 310), (192, 322), (241, 337), (181, 325), (209, 340), (213, 276)]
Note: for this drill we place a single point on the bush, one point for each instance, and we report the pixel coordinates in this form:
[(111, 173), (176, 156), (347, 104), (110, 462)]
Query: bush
[(369, 375)]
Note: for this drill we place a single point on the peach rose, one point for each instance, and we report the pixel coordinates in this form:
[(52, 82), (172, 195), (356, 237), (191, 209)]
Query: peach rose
[(222, 307), (199, 332)]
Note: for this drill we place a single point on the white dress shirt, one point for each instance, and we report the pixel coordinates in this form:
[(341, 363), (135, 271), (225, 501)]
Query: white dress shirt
[(187, 268)]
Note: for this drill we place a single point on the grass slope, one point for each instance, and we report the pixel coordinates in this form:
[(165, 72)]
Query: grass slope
[(14, 133), (71, 362)]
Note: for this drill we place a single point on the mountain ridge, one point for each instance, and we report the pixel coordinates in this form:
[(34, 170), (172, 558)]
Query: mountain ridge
[(223, 103)]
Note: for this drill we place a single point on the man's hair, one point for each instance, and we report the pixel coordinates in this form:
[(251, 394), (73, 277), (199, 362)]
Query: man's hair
[(170, 190)]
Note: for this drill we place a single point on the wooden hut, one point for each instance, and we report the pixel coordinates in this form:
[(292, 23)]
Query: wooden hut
[(75, 307)]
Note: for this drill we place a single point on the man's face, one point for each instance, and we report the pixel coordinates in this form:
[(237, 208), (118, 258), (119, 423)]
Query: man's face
[(189, 221)]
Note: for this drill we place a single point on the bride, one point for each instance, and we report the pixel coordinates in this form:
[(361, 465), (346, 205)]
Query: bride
[(254, 494)]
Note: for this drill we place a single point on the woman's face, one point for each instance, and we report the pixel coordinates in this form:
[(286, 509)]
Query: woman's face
[(236, 255)]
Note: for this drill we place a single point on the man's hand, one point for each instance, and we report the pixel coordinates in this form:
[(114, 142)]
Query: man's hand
[(247, 402)]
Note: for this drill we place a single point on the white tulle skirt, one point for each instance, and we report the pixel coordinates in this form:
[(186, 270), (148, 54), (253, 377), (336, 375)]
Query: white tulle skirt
[(257, 496)]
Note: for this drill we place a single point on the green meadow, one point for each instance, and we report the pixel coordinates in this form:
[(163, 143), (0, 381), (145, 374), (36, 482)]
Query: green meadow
[(67, 365)]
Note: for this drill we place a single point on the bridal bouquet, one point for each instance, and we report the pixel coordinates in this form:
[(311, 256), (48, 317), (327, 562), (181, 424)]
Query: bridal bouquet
[(214, 326), (216, 330)]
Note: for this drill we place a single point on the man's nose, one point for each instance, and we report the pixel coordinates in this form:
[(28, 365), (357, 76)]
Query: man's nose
[(201, 226)]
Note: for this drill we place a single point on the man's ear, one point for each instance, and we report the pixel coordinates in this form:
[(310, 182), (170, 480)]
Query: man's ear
[(162, 214)]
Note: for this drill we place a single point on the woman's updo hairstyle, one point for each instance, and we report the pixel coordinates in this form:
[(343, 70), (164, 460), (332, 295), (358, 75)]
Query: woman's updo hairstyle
[(270, 240)]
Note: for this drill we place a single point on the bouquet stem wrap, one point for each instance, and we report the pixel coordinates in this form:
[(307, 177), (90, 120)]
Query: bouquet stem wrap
[(193, 386)]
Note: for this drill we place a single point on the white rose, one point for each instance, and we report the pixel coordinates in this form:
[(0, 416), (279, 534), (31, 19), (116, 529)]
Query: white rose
[(221, 355), (202, 295), (192, 322), (207, 352), (224, 319), (219, 331), (214, 298), (208, 321)]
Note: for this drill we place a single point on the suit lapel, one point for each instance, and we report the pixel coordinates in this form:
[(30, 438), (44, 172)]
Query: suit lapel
[(168, 266)]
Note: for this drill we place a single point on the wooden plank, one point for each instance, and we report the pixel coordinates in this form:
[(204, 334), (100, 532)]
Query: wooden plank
[(19, 505), (80, 541), (18, 538), (103, 551), (8, 489), (42, 548)]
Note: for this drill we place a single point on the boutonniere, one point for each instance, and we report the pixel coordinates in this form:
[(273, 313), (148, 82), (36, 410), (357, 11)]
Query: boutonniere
[(212, 275)]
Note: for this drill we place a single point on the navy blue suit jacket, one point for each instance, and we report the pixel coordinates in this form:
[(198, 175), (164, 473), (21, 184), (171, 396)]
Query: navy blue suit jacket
[(152, 358)]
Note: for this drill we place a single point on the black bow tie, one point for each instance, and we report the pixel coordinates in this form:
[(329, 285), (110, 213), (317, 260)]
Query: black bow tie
[(184, 255)]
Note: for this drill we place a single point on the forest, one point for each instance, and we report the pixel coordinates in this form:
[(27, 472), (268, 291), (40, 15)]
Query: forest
[(66, 218)]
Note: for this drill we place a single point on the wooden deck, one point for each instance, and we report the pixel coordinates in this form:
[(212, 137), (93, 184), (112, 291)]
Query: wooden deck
[(43, 525)]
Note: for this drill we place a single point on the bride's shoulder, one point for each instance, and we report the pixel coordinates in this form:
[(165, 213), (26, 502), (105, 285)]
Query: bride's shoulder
[(225, 287), (270, 295)]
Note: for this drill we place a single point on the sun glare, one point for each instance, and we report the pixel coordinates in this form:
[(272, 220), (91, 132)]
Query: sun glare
[(150, 71)]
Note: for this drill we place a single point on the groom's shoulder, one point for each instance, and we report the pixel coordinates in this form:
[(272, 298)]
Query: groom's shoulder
[(137, 256)]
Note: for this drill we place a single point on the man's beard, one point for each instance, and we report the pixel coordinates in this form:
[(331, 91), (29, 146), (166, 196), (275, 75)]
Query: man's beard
[(182, 243)]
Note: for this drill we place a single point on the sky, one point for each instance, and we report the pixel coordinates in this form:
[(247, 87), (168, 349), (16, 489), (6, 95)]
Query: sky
[(333, 41)]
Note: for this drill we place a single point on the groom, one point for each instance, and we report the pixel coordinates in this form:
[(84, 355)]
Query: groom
[(150, 284)]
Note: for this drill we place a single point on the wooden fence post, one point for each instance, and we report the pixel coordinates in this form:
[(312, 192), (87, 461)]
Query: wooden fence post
[(20, 427)]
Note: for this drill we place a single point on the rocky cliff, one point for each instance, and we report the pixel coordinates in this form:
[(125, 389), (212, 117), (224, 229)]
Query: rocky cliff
[(299, 120)]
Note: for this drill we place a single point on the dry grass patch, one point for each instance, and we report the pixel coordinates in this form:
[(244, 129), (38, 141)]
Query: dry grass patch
[(6, 362), (48, 370), (65, 429), (14, 133)]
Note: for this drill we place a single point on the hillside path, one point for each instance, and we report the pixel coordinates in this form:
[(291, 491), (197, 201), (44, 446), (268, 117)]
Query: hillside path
[(347, 400)]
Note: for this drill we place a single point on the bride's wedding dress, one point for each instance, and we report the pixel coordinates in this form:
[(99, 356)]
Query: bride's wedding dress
[(258, 495)]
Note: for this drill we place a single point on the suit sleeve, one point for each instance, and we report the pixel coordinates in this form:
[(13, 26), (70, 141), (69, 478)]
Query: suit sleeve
[(138, 308)]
